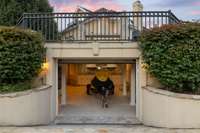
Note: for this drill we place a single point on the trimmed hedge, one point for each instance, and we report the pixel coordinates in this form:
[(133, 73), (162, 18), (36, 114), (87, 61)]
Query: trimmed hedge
[(9, 88), (172, 54), (21, 55)]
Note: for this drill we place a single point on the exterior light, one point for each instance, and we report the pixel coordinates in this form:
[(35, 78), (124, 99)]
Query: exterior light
[(45, 66)]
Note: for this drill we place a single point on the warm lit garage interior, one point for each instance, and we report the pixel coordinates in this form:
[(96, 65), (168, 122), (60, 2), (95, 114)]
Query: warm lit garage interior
[(77, 107)]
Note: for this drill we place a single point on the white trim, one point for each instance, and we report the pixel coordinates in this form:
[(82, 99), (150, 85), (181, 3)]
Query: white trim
[(52, 80), (102, 45), (135, 91), (138, 111), (63, 85), (133, 85), (56, 87), (124, 80)]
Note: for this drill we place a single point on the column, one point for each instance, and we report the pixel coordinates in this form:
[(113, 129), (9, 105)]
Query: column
[(124, 80), (63, 85), (133, 85), (56, 85), (140, 82), (52, 79)]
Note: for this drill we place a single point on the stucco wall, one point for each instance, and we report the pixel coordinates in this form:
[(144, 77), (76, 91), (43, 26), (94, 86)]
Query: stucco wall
[(93, 50), (166, 109), (26, 108), (152, 81)]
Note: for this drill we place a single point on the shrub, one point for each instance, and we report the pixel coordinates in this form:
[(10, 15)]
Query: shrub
[(21, 55), (172, 54), (8, 88)]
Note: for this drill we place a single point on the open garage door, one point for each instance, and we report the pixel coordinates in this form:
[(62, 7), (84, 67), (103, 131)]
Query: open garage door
[(77, 107)]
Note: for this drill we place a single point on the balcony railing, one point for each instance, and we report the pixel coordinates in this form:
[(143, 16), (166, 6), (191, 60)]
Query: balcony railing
[(96, 26)]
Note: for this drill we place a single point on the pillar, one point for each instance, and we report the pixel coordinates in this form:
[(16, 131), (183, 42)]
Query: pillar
[(140, 82), (133, 85), (124, 80), (63, 84), (52, 79)]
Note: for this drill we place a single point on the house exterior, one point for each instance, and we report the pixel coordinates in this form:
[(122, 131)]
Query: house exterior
[(96, 37), (104, 27)]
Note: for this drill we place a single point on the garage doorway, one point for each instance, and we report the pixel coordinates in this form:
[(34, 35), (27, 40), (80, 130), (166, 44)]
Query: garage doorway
[(75, 106)]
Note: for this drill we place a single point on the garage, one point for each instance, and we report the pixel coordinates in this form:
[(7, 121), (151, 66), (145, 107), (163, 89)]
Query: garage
[(76, 106)]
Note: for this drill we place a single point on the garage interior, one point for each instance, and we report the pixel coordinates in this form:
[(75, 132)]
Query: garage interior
[(75, 106)]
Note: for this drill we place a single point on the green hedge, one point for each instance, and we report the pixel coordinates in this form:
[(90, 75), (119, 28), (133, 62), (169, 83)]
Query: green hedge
[(9, 88), (21, 55), (172, 54)]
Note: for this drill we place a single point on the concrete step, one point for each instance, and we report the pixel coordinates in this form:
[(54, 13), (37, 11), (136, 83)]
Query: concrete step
[(113, 120)]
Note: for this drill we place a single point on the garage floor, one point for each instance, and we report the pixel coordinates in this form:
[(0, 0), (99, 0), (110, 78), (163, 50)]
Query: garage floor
[(84, 109)]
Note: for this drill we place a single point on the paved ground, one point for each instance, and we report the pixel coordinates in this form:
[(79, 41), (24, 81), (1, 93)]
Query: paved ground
[(84, 109), (94, 129)]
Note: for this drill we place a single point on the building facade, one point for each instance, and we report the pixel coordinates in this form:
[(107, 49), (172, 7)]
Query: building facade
[(81, 41)]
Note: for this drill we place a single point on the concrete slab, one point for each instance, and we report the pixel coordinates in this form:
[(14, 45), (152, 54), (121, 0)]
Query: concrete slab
[(84, 109), (94, 129)]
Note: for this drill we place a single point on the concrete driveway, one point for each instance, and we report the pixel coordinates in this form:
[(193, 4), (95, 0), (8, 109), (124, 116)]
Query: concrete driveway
[(94, 129)]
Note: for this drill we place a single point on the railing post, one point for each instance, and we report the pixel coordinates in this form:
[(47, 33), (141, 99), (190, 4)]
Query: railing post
[(169, 17), (22, 21), (124, 26)]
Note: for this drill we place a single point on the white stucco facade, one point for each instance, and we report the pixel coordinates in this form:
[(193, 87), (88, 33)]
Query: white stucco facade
[(170, 110), (153, 107), (93, 50), (30, 107)]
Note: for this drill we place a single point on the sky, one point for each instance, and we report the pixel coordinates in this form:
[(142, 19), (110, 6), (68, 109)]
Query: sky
[(183, 9)]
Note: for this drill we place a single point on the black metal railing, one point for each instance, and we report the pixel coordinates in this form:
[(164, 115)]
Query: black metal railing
[(96, 26)]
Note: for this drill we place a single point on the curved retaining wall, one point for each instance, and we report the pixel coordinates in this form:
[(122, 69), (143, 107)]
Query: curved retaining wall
[(30, 107), (171, 110)]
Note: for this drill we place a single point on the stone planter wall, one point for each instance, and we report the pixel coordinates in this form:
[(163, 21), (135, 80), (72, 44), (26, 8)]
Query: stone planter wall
[(30, 107), (171, 110)]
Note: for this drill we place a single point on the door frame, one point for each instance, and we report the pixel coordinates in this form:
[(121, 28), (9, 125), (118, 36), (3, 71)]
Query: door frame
[(137, 70)]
